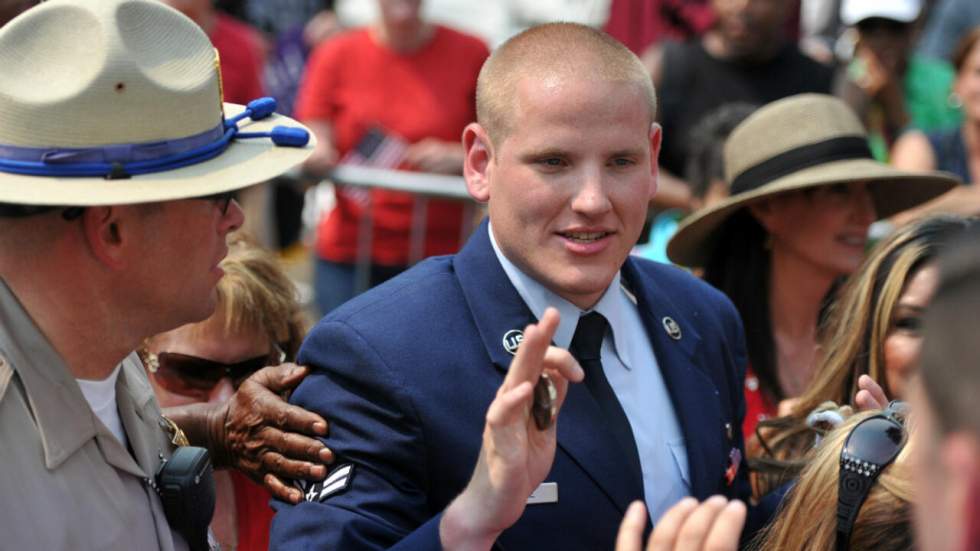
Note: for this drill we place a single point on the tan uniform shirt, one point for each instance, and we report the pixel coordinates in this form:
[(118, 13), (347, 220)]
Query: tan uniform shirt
[(65, 481)]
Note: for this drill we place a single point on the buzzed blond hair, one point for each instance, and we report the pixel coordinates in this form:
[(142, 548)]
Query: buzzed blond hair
[(564, 49)]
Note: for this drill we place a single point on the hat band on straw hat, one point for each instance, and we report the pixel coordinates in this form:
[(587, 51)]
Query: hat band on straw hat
[(788, 162), (45, 161), (119, 161)]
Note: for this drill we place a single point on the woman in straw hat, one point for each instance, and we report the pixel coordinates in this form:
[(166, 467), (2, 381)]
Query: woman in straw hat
[(804, 191)]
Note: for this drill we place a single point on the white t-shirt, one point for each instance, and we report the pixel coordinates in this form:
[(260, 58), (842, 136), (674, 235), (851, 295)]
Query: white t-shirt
[(101, 397)]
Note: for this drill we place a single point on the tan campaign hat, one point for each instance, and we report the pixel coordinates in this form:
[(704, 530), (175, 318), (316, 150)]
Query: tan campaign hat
[(119, 101), (800, 142)]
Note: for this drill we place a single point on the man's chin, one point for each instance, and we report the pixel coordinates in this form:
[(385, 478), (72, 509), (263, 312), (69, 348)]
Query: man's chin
[(585, 291)]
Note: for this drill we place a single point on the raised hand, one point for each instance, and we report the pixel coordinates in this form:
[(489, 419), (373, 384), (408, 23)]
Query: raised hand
[(516, 455), (714, 525)]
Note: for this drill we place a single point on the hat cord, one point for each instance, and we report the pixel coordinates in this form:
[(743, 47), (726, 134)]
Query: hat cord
[(125, 160)]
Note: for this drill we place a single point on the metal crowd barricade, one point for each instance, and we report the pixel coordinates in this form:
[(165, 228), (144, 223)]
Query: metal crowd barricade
[(423, 186)]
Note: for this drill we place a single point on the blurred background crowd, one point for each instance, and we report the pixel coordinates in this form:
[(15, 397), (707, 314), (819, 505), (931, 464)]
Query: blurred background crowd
[(389, 84), (831, 281)]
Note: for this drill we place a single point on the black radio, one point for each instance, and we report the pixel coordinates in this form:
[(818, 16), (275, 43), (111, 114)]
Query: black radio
[(185, 483)]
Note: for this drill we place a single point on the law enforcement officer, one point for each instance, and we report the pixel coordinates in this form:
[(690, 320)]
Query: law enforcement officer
[(118, 161)]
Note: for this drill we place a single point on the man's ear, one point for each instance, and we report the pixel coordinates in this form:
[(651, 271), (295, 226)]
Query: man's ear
[(478, 156), (656, 139), (105, 234)]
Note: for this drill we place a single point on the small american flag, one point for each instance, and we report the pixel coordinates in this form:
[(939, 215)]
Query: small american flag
[(377, 149)]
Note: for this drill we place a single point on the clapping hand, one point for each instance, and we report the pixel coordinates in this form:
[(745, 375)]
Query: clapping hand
[(714, 525)]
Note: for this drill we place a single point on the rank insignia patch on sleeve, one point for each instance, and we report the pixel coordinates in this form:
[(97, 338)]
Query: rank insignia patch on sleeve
[(337, 481)]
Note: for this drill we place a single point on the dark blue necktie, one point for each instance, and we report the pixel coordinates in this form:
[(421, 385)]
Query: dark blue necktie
[(586, 348)]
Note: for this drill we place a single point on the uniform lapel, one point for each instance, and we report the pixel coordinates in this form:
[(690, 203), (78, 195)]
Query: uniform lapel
[(493, 301), (497, 308), (692, 393), (133, 394)]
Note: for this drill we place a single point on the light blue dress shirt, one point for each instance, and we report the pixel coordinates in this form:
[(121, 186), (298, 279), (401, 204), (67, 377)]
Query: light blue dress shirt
[(631, 367)]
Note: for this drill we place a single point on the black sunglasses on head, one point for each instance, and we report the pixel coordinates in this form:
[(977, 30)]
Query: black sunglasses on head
[(871, 446)]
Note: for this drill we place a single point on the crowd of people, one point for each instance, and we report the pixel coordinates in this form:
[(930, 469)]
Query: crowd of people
[(722, 294)]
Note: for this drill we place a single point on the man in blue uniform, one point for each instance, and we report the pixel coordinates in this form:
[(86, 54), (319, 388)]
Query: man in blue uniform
[(564, 154)]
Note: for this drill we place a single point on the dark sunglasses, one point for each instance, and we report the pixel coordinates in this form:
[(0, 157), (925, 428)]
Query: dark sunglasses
[(870, 447), (193, 376), (222, 200)]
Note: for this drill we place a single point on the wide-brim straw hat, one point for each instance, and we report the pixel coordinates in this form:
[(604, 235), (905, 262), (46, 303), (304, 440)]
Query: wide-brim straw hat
[(86, 77), (796, 143)]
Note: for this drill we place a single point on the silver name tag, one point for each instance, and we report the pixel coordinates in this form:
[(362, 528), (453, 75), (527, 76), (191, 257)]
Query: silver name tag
[(547, 492)]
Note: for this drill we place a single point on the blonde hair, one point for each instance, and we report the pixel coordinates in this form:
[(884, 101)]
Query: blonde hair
[(255, 294), (564, 49), (807, 519), (854, 339)]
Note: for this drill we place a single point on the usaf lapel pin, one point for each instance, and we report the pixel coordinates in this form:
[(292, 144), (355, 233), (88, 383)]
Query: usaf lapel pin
[(673, 330), (512, 339)]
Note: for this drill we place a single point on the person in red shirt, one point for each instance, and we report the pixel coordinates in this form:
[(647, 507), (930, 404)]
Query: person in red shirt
[(405, 84)]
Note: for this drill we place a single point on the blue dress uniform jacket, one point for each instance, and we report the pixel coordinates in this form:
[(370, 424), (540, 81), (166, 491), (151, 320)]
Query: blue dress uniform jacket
[(406, 372)]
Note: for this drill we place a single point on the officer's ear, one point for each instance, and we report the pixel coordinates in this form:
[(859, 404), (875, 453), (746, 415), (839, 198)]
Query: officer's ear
[(477, 161), (111, 232)]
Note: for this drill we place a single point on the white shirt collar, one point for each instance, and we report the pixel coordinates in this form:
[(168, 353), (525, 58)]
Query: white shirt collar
[(537, 297)]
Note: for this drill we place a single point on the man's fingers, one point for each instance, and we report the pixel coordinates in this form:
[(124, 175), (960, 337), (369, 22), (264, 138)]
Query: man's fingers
[(528, 364), (699, 523), (562, 367), (669, 525), (281, 490), (279, 378), (297, 446), (727, 528), (630, 537), (510, 406), (560, 361), (281, 414), (283, 467)]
